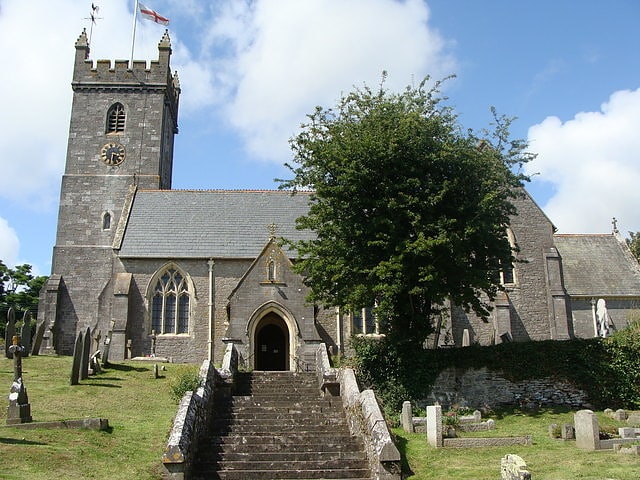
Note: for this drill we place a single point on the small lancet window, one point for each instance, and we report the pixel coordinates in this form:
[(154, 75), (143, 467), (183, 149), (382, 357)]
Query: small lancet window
[(116, 118), (271, 271), (106, 221), (508, 273)]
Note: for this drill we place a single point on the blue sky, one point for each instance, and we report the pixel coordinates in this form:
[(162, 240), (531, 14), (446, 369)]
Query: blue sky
[(251, 70)]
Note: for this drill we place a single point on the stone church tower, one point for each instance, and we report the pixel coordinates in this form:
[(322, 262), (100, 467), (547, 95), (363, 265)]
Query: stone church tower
[(121, 136)]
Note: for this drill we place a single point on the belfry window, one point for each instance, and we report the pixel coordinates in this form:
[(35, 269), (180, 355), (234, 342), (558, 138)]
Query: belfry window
[(116, 118), (106, 221), (171, 303)]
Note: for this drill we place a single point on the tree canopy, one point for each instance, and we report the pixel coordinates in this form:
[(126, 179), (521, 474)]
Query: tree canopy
[(19, 289), (409, 210), (633, 242)]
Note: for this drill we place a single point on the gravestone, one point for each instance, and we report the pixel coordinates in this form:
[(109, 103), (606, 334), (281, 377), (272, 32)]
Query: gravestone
[(77, 360), (19, 409), (567, 432), (25, 333), (105, 350), (553, 429), (434, 426), (94, 362), (86, 355), (156, 374), (587, 431), (9, 332), (37, 339), (513, 467), (634, 420), (406, 418), (620, 415)]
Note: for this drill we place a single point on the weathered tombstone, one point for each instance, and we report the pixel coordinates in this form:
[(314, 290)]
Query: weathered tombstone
[(406, 418), (77, 360), (19, 409), (587, 431), (620, 415), (477, 416), (97, 338), (465, 338), (107, 344), (553, 430), (94, 362), (434, 426), (627, 432), (86, 354), (608, 412), (25, 333), (567, 432), (37, 339), (513, 467), (9, 332), (634, 420), (155, 371)]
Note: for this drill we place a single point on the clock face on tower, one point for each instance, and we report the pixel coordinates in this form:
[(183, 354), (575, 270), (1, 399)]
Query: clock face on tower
[(112, 154)]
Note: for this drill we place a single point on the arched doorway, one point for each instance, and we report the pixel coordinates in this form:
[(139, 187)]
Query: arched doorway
[(271, 343)]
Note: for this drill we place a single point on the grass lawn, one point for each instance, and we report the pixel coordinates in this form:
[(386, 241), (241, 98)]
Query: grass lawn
[(140, 412), (547, 458), (138, 407)]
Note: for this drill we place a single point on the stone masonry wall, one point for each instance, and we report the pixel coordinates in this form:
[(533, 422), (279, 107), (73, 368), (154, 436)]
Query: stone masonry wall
[(482, 389)]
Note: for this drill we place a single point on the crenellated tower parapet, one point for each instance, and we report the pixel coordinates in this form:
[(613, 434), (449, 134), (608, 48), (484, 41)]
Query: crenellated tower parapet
[(119, 75)]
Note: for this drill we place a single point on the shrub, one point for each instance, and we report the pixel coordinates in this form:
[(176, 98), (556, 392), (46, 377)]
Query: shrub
[(186, 382)]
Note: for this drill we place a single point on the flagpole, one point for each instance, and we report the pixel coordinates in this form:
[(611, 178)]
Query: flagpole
[(133, 34)]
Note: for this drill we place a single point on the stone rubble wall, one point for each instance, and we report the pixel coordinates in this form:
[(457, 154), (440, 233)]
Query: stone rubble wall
[(482, 388)]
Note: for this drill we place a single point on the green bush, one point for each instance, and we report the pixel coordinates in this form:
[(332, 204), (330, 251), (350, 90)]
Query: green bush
[(185, 382)]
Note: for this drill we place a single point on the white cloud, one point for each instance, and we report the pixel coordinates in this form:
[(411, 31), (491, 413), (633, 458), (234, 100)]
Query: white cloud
[(592, 162), (292, 55), (9, 244)]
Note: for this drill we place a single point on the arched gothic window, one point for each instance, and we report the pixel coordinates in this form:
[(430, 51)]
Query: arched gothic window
[(170, 303), (116, 118)]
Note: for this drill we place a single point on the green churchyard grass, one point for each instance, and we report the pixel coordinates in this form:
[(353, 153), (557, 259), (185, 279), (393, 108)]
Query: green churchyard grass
[(140, 410)]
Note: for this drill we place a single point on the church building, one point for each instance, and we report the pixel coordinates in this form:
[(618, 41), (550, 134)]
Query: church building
[(181, 273)]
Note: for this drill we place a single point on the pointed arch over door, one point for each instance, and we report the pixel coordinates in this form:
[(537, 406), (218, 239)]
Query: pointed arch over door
[(273, 338)]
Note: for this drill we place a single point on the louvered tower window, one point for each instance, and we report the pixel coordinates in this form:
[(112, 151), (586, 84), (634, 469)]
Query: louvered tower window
[(116, 118)]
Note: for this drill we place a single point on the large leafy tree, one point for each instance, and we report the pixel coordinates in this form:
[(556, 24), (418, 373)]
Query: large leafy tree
[(19, 289), (409, 209)]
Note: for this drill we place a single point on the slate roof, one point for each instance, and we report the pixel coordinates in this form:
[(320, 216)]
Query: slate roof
[(210, 223), (598, 266)]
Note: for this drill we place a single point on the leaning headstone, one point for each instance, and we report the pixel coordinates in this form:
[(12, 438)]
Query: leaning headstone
[(94, 362), (513, 467), (620, 415), (567, 432), (434, 426), (25, 333), (77, 360), (86, 354), (406, 418), (37, 339), (587, 431), (9, 332)]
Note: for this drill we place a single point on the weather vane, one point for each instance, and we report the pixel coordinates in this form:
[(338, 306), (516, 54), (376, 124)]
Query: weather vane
[(93, 17)]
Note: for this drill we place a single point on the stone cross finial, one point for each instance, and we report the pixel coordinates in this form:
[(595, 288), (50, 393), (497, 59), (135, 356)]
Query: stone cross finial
[(614, 222), (272, 230)]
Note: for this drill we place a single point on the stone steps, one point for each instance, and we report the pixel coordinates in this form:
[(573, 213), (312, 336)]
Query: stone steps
[(276, 426)]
